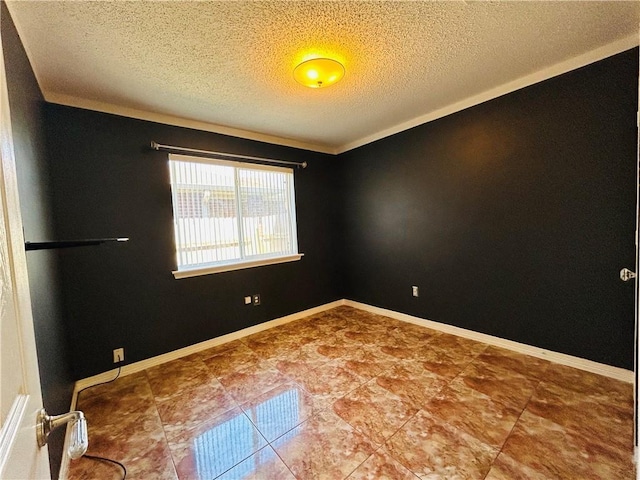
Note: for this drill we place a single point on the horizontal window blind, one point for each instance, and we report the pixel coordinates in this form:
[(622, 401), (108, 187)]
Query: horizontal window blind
[(229, 212)]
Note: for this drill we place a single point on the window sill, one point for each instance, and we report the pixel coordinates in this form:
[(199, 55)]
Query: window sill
[(195, 272)]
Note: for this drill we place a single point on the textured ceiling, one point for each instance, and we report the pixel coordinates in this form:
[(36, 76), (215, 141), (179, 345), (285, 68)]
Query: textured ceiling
[(229, 65)]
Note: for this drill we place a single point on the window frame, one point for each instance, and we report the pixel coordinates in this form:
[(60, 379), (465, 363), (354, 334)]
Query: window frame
[(246, 261)]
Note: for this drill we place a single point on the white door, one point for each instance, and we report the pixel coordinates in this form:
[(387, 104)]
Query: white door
[(636, 413), (20, 397), (637, 286)]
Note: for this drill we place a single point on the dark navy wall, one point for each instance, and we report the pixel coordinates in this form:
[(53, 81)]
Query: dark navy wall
[(26, 104), (108, 182), (513, 217)]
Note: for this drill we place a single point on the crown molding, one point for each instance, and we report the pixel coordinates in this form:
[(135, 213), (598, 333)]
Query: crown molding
[(77, 102), (522, 82), (553, 71)]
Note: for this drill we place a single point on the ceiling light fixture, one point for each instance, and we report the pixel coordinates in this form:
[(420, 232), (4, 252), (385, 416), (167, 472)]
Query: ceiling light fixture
[(318, 72)]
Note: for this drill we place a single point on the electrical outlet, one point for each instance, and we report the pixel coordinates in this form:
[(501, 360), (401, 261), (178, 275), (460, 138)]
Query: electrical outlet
[(247, 300), (118, 355), (256, 299), (414, 291)]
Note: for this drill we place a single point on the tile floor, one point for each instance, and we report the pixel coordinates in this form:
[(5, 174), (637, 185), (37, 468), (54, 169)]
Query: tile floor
[(350, 394)]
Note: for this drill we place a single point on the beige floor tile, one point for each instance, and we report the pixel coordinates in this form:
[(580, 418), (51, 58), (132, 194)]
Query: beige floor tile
[(223, 362), (262, 465), (215, 446), (474, 413), (557, 452), (502, 385), (170, 379), (602, 389), (433, 449), (277, 411), (381, 466), (522, 364), (195, 406), (412, 383), (254, 380), (582, 413), (324, 447), (439, 360), (331, 381), (506, 468), (374, 411), (348, 393)]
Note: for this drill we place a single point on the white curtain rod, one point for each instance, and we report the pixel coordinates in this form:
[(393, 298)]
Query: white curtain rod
[(231, 156)]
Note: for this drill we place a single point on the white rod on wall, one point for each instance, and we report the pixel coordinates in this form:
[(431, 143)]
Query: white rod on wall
[(228, 156)]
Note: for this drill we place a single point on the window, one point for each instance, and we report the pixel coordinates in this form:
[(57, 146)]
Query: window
[(230, 215)]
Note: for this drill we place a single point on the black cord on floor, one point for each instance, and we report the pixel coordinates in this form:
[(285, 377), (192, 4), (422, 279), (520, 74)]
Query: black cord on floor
[(115, 462), (94, 457), (98, 384)]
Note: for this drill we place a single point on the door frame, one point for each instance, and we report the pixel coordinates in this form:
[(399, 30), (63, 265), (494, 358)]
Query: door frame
[(636, 413)]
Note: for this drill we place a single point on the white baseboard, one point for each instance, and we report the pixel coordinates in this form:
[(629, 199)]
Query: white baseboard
[(198, 347), (561, 358), (555, 357), (182, 352)]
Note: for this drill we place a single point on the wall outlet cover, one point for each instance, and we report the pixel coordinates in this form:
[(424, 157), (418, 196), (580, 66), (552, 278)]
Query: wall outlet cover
[(118, 355)]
